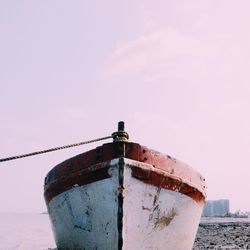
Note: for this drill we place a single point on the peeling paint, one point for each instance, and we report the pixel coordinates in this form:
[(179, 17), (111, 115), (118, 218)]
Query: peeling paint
[(165, 219), (140, 200), (156, 197), (156, 217), (160, 180), (93, 166), (146, 208), (85, 217)]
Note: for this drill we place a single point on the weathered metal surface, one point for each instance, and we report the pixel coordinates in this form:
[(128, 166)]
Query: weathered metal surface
[(92, 166), (155, 217), (124, 196), (86, 217), (161, 179), (81, 177), (124, 211)]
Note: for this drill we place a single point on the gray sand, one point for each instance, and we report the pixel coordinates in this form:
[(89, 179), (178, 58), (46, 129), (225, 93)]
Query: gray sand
[(225, 235)]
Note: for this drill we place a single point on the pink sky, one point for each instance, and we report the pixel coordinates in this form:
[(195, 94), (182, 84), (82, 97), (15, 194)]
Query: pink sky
[(177, 72)]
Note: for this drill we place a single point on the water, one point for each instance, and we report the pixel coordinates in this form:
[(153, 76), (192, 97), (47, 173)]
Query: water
[(25, 232)]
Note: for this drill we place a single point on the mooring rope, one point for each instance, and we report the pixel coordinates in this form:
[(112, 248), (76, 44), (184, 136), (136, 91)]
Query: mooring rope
[(54, 149)]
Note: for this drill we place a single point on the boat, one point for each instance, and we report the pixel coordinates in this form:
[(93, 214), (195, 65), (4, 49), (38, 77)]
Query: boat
[(123, 195)]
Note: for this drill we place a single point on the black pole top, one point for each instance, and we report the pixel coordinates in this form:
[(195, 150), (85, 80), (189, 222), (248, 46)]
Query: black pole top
[(120, 135), (121, 126)]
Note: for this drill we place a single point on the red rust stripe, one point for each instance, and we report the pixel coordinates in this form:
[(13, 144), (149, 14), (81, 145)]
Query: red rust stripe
[(86, 176), (157, 179), (93, 165)]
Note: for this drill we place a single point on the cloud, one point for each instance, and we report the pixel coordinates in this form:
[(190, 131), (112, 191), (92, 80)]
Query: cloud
[(203, 42), (161, 54)]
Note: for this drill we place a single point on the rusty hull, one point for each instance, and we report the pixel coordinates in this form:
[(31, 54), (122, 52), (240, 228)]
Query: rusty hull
[(163, 171)]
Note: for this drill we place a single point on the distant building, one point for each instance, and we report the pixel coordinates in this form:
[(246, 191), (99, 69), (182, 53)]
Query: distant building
[(216, 208)]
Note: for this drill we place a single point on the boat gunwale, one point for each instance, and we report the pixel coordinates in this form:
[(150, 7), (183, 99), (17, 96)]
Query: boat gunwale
[(93, 165)]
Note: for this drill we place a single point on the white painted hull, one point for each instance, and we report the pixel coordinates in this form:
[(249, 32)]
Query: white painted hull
[(124, 214)]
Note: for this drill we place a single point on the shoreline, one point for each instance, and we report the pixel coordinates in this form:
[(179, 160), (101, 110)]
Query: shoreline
[(213, 233)]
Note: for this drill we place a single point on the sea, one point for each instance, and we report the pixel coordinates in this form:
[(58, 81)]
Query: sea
[(26, 231)]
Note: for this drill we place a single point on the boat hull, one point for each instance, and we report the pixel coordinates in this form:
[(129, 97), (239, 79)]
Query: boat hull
[(86, 217), (134, 206)]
